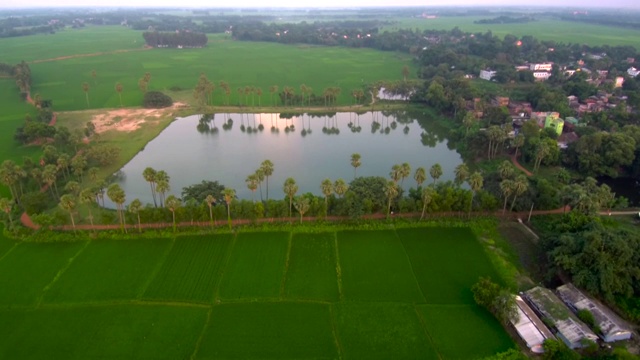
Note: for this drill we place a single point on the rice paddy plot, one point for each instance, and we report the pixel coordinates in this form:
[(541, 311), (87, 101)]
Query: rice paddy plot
[(375, 267), (108, 270), (256, 266), (192, 269), (381, 331), (464, 332), (277, 330), (447, 262), (311, 273), (101, 332), (29, 268)]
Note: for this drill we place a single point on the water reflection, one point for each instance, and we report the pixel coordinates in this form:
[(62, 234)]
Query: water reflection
[(308, 147)]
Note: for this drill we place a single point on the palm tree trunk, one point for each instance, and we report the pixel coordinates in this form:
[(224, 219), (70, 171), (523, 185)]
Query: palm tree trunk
[(173, 213), (153, 194), (513, 202), (229, 215), (424, 208), (73, 223), (210, 215), (473, 195), (504, 208), (90, 216), (290, 200), (326, 206), (139, 224)]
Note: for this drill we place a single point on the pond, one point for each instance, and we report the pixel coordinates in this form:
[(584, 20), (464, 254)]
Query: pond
[(229, 147)]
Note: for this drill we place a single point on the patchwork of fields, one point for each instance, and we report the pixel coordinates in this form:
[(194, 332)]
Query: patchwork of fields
[(401, 294)]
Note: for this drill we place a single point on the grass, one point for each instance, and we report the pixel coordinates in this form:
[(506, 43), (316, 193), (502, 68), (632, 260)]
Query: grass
[(544, 29), (97, 332), (312, 268), (450, 326), (382, 331), (29, 268), (256, 266), (269, 331), (375, 267), (452, 285), (248, 296), (192, 269), (108, 271)]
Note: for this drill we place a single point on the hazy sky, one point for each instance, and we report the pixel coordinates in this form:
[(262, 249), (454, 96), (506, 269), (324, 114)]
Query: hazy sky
[(323, 3)]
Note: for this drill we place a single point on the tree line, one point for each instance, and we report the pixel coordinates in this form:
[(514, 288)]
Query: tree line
[(175, 39)]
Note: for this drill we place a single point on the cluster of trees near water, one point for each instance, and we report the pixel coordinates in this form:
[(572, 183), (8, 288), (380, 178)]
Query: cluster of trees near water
[(175, 39)]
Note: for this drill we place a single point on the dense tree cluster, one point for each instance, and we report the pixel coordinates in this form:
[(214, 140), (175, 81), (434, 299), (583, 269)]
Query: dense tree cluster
[(504, 19), (176, 39), (156, 100)]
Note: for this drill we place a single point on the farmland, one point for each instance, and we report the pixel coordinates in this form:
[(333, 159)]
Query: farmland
[(345, 294)]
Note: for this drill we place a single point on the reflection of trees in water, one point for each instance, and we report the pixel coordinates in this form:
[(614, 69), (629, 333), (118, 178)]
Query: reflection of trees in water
[(207, 125)]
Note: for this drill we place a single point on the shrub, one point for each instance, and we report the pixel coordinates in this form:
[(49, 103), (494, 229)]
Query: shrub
[(587, 317), (156, 100)]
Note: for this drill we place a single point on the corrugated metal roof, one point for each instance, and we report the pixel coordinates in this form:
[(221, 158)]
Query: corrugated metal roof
[(529, 326)]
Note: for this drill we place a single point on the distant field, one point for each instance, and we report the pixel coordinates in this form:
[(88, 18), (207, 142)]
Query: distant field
[(349, 295), (544, 29)]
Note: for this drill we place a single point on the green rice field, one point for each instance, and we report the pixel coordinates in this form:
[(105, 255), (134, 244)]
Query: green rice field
[(401, 294)]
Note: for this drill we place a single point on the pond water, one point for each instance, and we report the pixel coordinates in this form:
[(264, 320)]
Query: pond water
[(210, 147), (624, 186)]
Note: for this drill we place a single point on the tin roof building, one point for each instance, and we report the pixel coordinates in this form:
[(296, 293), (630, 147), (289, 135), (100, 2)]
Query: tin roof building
[(530, 328)]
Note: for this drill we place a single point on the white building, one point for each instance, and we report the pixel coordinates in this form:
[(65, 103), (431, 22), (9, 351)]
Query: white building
[(530, 328), (571, 330), (541, 67), (487, 74), (609, 327), (541, 75), (633, 72)]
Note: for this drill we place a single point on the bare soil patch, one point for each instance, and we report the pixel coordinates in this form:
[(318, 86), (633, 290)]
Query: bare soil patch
[(128, 120)]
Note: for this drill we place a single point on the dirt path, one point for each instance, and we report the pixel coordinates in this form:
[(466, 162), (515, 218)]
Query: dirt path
[(86, 55), (515, 162)]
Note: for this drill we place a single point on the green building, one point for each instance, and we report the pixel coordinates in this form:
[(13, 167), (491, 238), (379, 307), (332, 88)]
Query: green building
[(555, 123)]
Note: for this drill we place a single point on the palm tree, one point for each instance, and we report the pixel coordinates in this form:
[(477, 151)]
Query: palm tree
[(93, 174), (259, 174), (355, 162), (134, 208), (506, 170), (327, 189), (85, 88), (435, 172), (119, 89), (229, 195), (507, 188), (468, 121), (63, 164), (162, 188), (302, 205), (288, 92), (78, 163), (427, 195), (396, 173), (517, 142), (340, 187), (68, 202), (49, 176), (273, 90), (149, 175), (405, 171), (258, 92), (118, 196), (173, 203), (520, 186), (290, 188), (461, 174), (252, 184), (267, 169), (420, 176), (88, 196), (5, 206), (72, 187), (541, 152), (210, 200), (391, 191), (475, 183)]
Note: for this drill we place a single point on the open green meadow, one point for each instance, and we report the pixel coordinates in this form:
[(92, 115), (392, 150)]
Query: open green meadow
[(567, 32), (280, 295)]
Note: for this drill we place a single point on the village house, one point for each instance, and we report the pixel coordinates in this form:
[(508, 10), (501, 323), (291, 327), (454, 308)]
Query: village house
[(541, 75), (487, 74), (633, 72), (541, 67)]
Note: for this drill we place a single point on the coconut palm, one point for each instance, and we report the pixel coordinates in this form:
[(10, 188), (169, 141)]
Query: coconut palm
[(72, 187), (118, 196), (134, 208), (435, 171), (420, 176), (405, 171), (290, 188), (119, 89), (506, 170), (162, 187), (461, 174), (68, 202), (355, 162), (520, 186), (267, 169), (93, 174), (327, 189), (340, 187), (88, 196), (476, 182), (229, 194), (427, 196), (210, 200), (396, 173), (173, 204), (302, 205), (5, 206), (49, 177), (252, 184), (85, 88), (63, 164), (391, 191), (149, 175), (507, 188)]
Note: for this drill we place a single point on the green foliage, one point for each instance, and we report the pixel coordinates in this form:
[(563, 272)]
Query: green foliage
[(557, 350), (499, 301), (586, 317), (511, 354), (156, 100)]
